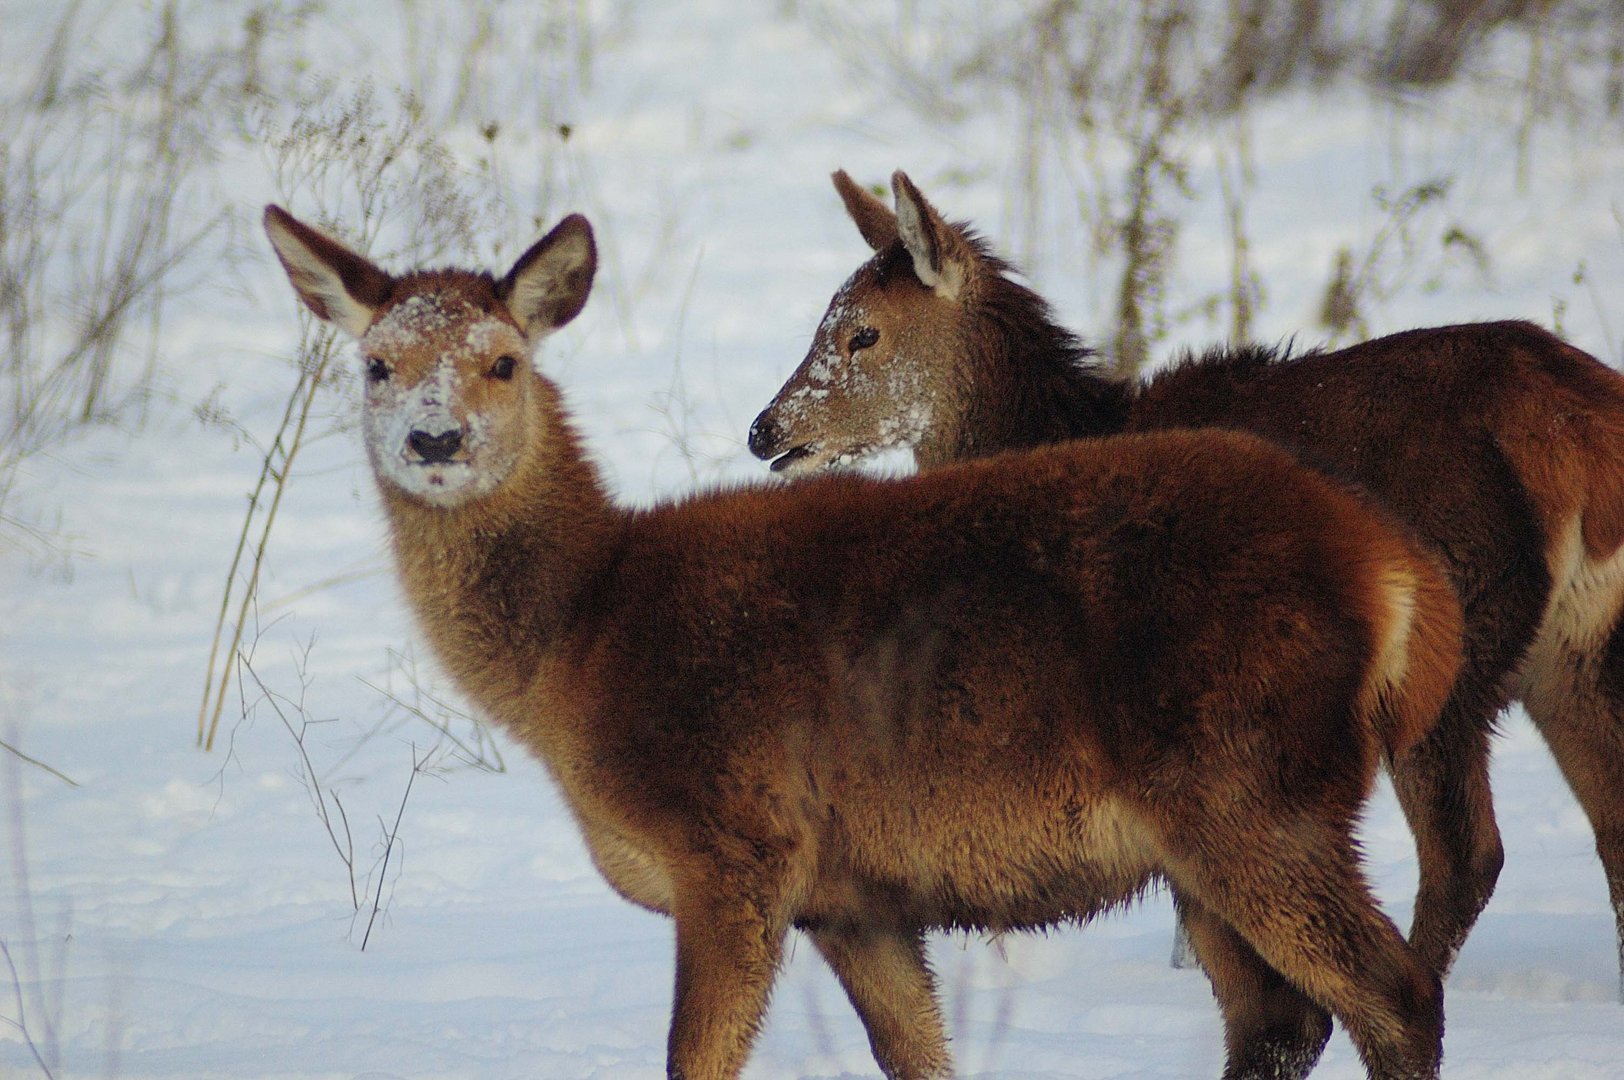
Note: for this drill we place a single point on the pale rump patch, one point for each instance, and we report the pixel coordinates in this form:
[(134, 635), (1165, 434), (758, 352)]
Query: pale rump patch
[(1587, 596), (1391, 663), (1392, 656)]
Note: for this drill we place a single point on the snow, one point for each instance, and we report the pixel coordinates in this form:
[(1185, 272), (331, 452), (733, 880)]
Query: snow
[(396, 407), (184, 916)]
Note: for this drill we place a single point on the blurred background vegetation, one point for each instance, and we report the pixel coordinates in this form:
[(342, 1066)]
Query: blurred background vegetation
[(107, 216), (1117, 100)]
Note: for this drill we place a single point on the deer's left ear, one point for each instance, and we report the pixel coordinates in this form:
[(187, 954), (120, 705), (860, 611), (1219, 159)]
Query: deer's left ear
[(335, 283), (549, 284), (940, 258)]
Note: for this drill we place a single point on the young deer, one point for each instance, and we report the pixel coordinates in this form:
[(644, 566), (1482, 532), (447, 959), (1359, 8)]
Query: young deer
[(1500, 445), (1005, 695)]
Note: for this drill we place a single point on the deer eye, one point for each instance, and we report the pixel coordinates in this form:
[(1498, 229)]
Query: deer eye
[(377, 370), (863, 338), (504, 367)]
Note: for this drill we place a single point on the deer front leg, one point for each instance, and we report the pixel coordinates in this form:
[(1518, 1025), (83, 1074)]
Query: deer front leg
[(729, 943), (888, 980)]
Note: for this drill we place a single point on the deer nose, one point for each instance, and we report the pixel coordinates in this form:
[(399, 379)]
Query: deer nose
[(434, 449), (764, 436)]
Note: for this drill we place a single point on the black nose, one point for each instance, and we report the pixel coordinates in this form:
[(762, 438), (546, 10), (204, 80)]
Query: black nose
[(435, 448), (764, 437)]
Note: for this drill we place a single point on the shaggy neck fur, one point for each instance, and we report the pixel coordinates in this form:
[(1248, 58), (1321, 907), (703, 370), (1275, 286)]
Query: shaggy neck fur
[(1036, 383)]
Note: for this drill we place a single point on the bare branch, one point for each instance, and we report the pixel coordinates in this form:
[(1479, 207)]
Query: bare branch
[(38, 764), (20, 1025), (389, 845)]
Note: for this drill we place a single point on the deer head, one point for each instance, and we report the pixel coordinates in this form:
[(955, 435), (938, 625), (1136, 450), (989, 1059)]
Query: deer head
[(882, 369), (448, 354)]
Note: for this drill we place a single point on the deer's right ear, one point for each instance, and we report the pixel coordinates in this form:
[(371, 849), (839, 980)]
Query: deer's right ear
[(549, 284), (875, 220), (335, 283)]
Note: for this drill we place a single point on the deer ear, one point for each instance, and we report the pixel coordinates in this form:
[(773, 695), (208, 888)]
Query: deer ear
[(874, 219), (938, 255), (336, 284), (549, 284)]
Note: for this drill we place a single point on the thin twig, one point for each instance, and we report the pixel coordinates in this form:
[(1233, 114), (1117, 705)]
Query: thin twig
[(38, 764), (318, 795), (389, 846), (21, 1023), (470, 753)]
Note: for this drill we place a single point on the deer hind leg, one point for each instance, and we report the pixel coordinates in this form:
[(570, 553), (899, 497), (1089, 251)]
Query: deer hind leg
[(730, 935), (1588, 743), (1573, 688), (1442, 785), (1294, 892), (1272, 1031), (888, 980), (1574, 692)]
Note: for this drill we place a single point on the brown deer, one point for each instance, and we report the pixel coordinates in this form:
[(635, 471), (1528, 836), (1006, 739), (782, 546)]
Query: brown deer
[(1005, 695), (1499, 444)]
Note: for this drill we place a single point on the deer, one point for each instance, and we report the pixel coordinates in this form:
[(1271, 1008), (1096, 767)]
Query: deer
[(1500, 445), (1005, 695)]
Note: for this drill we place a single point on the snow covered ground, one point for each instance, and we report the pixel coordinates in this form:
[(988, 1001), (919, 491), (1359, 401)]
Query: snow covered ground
[(183, 916)]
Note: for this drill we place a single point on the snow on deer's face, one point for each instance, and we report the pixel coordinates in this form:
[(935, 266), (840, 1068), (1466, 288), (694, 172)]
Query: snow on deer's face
[(447, 352), (444, 395), (883, 371), (875, 378)]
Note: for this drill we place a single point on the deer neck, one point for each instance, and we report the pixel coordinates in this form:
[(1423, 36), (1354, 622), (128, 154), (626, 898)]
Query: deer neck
[(1029, 383), (498, 581)]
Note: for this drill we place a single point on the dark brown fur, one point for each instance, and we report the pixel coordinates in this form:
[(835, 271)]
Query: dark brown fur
[(1006, 695), (1499, 444)]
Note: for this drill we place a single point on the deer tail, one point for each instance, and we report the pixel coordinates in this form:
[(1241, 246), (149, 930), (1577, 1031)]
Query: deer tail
[(1417, 654)]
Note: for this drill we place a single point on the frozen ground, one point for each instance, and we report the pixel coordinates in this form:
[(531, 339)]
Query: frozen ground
[(183, 916)]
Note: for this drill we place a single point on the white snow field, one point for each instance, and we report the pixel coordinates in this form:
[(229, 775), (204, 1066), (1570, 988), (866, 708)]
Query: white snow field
[(181, 915)]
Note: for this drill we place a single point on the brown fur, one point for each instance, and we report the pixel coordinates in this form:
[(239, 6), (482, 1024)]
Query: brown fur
[(1499, 444), (1005, 695)]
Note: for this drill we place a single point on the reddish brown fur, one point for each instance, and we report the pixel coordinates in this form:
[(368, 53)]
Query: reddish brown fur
[(1494, 442), (1005, 695)]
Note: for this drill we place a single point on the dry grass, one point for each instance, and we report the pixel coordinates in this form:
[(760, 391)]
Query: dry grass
[(97, 158), (102, 153)]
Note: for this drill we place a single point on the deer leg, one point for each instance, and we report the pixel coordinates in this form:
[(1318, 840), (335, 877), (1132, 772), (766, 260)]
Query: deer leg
[(1442, 785), (1272, 1031), (888, 980), (1597, 780), (1294, 892), (1578, 706), (729, 944)]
